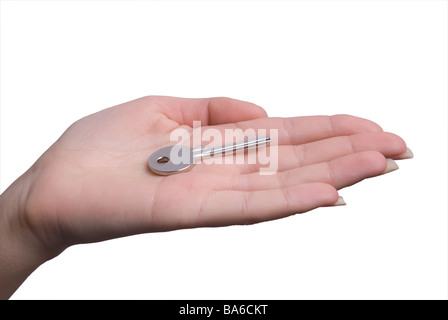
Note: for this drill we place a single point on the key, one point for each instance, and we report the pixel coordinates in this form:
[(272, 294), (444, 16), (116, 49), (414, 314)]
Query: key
[(174, 159)]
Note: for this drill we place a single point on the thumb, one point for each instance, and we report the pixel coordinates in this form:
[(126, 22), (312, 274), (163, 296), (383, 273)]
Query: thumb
[(226, 110), (210, 111)]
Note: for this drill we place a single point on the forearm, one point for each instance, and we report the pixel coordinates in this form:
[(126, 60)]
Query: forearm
[(15, 266), (20, 254)]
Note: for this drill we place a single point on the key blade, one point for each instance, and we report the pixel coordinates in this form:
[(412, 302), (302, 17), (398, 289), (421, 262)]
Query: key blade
[(231, 147)]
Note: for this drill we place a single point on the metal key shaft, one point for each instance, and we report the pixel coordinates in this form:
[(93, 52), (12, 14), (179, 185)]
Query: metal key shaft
[(174, 159), (231, 147)]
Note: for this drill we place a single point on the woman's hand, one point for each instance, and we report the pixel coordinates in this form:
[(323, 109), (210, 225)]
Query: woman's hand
[(94, 182)]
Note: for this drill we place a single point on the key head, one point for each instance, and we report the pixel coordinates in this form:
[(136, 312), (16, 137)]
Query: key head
[(171, 159)]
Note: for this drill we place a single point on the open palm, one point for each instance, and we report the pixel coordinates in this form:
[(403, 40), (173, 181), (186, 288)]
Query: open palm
[(94, 182)]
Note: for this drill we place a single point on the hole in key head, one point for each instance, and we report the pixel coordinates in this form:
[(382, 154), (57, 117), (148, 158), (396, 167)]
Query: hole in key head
[(162, 160)]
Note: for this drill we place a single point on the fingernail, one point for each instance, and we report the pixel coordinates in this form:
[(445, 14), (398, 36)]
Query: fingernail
[(391, 166), (340, 202), (408, 154)]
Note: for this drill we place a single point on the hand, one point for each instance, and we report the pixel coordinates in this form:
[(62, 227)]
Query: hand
[(94, 183)]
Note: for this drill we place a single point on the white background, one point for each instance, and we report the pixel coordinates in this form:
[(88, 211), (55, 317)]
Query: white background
[(383, 60)]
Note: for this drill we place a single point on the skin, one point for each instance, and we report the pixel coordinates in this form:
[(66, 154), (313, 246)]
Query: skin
[(94, 183)]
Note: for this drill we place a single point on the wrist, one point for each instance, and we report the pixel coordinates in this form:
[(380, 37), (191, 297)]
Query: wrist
[(21, 252)]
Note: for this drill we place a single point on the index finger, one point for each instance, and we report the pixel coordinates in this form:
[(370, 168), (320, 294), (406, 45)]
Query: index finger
[(299, 130)]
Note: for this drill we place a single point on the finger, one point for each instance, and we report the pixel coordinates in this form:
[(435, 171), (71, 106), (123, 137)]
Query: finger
[(293, 156), (210, 111), (245, 207), (299, 130), (340, 173), (386, 143)]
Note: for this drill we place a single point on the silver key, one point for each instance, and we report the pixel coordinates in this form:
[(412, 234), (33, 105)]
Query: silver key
[(174, 159)]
